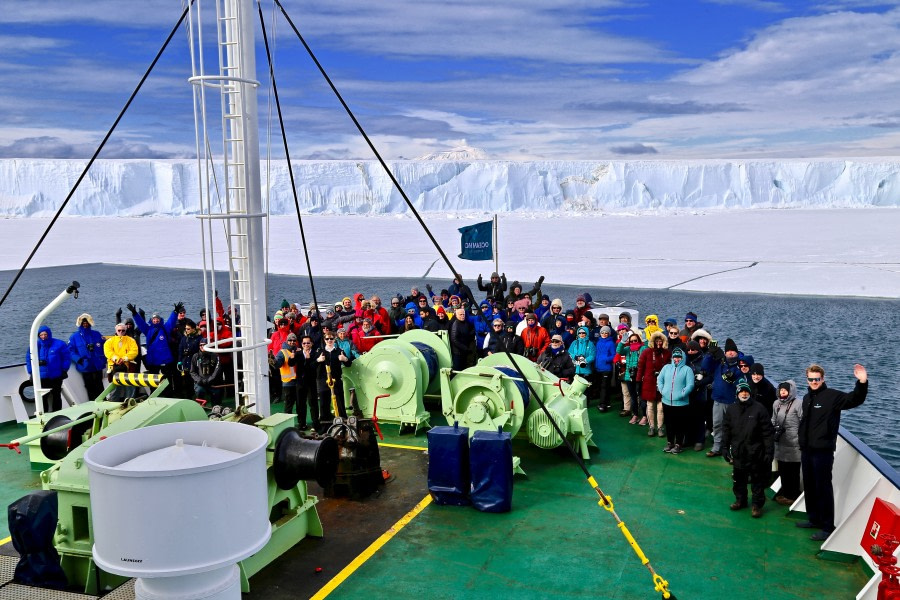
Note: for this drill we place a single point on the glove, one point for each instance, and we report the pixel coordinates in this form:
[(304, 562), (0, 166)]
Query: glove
[(179, 306), (119, 315), (131, 307), (503, 275), (540, 281), (698, 376), (217, 293), (727, 456), (728, 377)]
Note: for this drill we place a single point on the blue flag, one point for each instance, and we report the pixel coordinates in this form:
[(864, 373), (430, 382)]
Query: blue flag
[(477, 241)]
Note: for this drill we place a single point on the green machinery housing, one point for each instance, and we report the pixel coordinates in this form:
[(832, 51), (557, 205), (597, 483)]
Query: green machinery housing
[(67, 435), (492, 395), (397, 375)]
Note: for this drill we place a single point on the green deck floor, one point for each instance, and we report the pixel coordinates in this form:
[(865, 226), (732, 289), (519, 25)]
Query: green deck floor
[(557, 542), (16, 476)]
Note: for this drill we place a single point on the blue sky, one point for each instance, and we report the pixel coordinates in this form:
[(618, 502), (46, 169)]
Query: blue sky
[(529, 79)]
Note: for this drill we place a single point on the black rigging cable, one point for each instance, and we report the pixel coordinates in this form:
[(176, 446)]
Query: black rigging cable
[(366, 137), (287, 155), (96, 153)]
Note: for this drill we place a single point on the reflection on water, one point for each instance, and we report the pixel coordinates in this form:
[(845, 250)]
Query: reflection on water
[(785, 333)]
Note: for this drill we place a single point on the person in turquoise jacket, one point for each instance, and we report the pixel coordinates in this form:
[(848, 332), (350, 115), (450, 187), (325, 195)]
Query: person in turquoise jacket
[(675, 383), (582, 352)]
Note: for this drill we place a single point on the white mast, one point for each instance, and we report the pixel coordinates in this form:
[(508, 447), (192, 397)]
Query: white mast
[(239, 194)]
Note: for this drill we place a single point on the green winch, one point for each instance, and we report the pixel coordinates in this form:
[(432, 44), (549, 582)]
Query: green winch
[(492, 395), (392, 380)]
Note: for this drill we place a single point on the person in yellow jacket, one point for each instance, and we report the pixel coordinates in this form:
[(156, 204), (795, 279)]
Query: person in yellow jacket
[(651, 326), (121, 351)]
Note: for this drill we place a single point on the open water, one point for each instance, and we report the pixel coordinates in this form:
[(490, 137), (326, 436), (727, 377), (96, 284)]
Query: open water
[(785, 333)]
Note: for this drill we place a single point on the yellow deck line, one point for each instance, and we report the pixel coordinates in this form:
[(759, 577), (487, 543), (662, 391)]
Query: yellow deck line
[(402, 447), (5, 540), (371, 550)]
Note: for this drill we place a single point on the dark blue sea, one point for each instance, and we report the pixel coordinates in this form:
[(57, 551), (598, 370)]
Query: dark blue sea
[(785, 333)]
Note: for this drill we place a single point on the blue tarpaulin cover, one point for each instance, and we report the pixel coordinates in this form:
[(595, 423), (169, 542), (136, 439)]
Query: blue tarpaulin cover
[(491, 460), (448, 465)]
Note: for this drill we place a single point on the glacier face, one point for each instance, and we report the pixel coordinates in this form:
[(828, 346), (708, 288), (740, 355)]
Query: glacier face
[(36, 187)]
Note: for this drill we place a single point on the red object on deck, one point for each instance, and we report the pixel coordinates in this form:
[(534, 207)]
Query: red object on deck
[(12, 446), (884, 520), (375, 415)]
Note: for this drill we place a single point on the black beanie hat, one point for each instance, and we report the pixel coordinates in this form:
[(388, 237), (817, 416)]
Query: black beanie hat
[(730, 346), (784, 385), (757, 369), (693, 346)]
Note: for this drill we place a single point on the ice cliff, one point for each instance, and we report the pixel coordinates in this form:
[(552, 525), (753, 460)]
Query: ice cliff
[(35, 187)]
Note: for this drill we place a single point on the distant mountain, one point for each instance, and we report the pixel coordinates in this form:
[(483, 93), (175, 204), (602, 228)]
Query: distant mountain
[(460, 153)]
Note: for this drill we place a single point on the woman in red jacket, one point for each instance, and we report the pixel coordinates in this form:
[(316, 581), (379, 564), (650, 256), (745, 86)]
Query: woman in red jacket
[(651, 362)]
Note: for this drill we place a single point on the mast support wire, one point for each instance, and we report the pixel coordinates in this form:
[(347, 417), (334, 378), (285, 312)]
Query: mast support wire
[(365, 136), (90, 163), (287, 155)]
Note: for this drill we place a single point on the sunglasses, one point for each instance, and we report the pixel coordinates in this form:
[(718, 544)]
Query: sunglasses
[(498, 326), (120, 331), (329, 338), (555, 342), (581, 333), (813, 379)]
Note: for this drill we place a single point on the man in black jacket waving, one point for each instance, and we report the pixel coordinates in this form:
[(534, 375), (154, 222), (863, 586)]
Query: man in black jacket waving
[(819, 425)]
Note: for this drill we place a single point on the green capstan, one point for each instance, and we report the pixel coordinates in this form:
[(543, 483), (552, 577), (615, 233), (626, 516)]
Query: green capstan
[(492, 395), (398, 374)]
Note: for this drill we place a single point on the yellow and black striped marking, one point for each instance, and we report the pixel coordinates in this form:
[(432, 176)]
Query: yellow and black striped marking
[(138, 379)]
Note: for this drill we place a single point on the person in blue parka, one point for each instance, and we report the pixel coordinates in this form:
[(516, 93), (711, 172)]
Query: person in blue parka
[(604, 354), (675, 384), (86, 352), (158, 358), (723, 375), (54, 362)]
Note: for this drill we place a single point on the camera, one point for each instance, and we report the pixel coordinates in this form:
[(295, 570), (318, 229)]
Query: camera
[(580, 361), (779, 431)]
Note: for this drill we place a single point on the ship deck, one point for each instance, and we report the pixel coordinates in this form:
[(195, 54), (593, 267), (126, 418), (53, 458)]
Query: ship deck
[(556, 542)]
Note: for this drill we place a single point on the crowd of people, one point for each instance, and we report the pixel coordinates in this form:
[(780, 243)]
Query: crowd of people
[(674, 379)]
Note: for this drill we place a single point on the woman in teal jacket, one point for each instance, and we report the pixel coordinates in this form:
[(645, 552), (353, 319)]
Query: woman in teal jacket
[(675, 383), (582, 352)]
